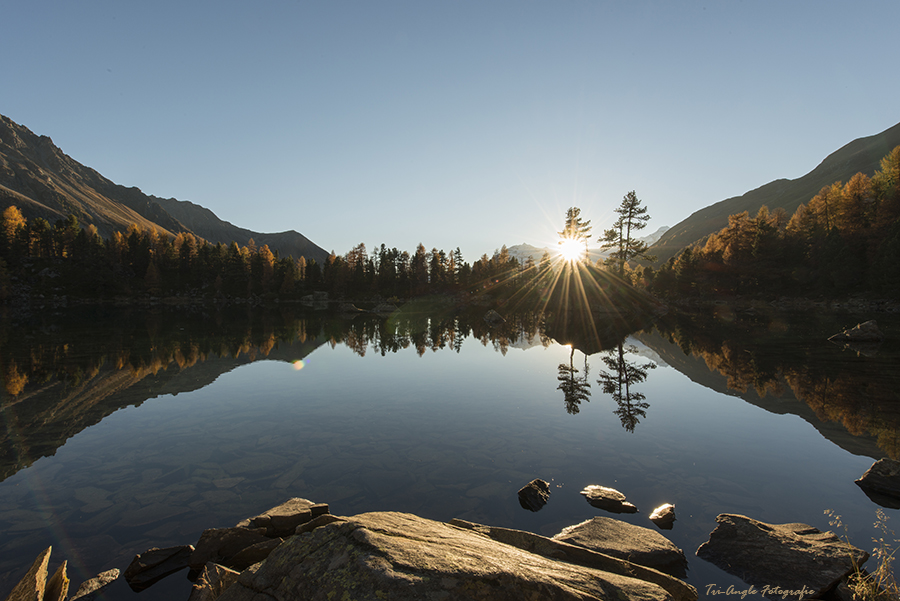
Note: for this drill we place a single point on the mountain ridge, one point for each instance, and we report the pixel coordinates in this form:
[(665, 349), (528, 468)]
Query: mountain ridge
[(860, 155), (43, 181)]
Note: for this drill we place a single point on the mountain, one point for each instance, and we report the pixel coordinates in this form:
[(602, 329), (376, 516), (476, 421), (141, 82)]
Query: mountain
[(43, 181), (861, 155)]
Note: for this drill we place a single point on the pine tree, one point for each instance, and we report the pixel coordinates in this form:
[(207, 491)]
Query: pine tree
[(632, 218)]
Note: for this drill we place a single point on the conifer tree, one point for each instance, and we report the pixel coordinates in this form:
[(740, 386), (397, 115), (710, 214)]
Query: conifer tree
[(632, 218)]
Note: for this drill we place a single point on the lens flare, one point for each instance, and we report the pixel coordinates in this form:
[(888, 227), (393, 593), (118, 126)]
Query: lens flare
[(298, 364)]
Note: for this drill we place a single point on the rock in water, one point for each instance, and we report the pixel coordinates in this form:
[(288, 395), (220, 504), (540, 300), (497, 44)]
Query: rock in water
[(881, 483), (664, 516), (863, 332), (623, 540), (402, 557), (151, 566), (34, 582), (58, 585), (534, 495), (608, 499), (90, 588), (789, 557)]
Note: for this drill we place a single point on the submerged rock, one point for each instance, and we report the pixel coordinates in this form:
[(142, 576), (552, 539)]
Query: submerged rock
[(608, 499), (664, 516), (881, 483), (864, 332), (623, 540), (534, 495), (402, 557), (789, 557)]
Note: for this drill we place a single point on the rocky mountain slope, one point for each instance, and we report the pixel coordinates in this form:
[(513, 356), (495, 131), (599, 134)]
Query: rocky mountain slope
[(42, 181), (861, 155)]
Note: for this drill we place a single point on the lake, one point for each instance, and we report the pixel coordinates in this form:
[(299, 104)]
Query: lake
[(125, 430)]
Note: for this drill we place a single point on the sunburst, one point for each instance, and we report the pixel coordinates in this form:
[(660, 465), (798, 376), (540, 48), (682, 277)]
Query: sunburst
[(571, 250)]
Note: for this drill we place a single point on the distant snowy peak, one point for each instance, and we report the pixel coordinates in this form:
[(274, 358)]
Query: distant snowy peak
[(652, 238)]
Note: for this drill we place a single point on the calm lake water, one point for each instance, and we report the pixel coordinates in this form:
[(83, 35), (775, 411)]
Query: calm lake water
[(128, 430)]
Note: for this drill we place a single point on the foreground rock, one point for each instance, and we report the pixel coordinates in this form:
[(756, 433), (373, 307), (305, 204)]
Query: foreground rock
[(284, 519), (34, 582), (579, 555), (403, 557), (790, 557), (623, 540), (608, 499), (213, 581), (251, 540), (881, 483), (863, 332), (534, 495), (35, 586)]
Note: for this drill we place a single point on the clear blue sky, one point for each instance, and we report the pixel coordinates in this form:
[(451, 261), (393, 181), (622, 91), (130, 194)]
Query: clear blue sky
[(457, 123)]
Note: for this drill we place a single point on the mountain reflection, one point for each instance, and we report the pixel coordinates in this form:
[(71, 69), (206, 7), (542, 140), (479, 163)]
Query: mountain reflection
[(774, 360), (61, 376)]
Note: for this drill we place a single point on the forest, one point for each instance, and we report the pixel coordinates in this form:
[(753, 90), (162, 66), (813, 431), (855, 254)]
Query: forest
[(844, 241)]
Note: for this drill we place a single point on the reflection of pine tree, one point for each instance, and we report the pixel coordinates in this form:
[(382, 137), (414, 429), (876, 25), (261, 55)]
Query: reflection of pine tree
[(575, 388), (624, 374)]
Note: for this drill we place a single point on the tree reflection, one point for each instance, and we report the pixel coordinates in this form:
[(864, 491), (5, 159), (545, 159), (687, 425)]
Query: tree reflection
[(771, 354), (575, 388), (618, 382)]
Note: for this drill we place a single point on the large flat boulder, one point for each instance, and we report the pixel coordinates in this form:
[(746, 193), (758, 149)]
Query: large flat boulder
[(576, 554), (402, 557), (620, 539), (780, 557)]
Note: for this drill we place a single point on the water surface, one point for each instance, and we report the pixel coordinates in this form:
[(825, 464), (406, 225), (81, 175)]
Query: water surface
[(132, 431)]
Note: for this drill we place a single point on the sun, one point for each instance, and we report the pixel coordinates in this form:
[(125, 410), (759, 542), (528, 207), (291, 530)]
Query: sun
[(571, 250)]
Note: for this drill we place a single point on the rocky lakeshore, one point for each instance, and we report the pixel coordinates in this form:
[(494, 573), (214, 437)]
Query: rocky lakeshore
[(299, 550)]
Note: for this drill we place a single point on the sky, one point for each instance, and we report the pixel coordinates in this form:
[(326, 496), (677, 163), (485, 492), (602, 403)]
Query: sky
[(469, 124)]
